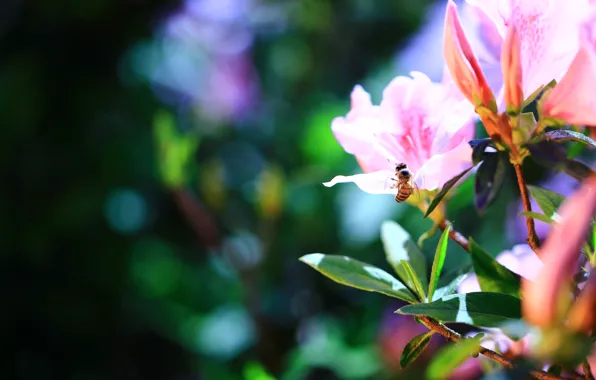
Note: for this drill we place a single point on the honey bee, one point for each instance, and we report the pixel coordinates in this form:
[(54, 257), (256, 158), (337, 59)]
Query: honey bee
[(404, 183)]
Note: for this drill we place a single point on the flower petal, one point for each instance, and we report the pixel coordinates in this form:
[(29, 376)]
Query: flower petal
[(373, 183), (462, 63), (443, 167), (559, 254), (512, 70)]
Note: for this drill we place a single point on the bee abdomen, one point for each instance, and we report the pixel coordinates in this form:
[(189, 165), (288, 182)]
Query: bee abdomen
[(403, 194)]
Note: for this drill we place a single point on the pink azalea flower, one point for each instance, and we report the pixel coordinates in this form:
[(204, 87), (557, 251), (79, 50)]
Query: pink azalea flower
[(559, 253), (572, 98), (548, 33), (418, 122)]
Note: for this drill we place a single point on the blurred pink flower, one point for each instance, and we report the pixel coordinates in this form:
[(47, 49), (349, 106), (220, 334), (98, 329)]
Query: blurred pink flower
[(559, 253), (420, 123), (572, 100)]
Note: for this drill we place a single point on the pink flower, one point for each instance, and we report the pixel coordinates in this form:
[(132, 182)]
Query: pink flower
[(559, 254), (572, 98), (548, 35), (418, 122)]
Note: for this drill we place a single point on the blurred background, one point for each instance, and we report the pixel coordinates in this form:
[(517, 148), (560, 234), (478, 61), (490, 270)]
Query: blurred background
[(162, 170)]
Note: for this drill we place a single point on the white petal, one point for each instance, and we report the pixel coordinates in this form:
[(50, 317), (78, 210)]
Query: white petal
[(373, 183)]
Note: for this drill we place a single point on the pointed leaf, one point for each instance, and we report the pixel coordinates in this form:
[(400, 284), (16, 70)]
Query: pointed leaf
[(399, 247), (490, 178), (537, 216), (412, 280), (492, 276), (560, 135), (414, 348), (357, 274), (446, 187), (482, 309), (438, 262), (538, 91), (576, 169), (449, 288), (450, 357), (547, 200)]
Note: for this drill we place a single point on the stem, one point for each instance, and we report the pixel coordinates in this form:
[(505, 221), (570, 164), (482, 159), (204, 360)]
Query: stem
[(533, 241), (454, 235), (456, 337), (587, 370)]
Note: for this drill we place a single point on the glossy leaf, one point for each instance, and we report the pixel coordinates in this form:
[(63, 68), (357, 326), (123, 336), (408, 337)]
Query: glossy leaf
[(489, 179), (449, 288), (547, 200), (560, 135), (481, 147), (438, 262), (482, 309), (413, 281), (554, 156), (414, 348), (576, 169), (450, 357), (446, 187), (354, 273), (537, 216), (399, 247), (492, 276)]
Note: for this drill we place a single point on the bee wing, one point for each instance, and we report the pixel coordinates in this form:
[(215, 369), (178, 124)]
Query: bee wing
[(391, 183), (416, 197)]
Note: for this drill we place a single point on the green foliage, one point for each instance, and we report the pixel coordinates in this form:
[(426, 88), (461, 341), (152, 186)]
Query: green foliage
[(492, 276), (444, 190), (401, 252), (482, 309), (438, 263), (537, 216), (451, 356), (354, 273), (449, 288), (175, 150), (547, 200), (414, 348)]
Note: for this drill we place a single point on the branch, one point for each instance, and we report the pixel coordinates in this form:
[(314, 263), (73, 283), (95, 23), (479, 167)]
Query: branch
[(587, 370), (532, 240), (456, 337), (454, 235), (201, 222)]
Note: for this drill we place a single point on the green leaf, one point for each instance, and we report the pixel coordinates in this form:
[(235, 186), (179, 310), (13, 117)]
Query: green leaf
[(357, 274), (438, 262), (413, 281), (482, 309), (547, 200), (537, 92), (560, 135), (446, 187), (450, 357), (537, 216), (414, 348), (449, 288), (492, 276), (490, 178), (399, 247), (576, 169)]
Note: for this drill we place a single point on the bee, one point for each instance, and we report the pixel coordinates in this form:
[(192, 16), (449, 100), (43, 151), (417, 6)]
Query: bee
[(404, 183)]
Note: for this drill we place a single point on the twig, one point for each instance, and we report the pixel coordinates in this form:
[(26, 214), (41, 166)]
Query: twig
[(456, 337), (532, 240), (454, 235), (587, 370), (201, 222)]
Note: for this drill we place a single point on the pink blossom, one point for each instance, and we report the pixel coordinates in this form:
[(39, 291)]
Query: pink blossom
[(548, 34), (572, 98), (559, 254), (418, 122)]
